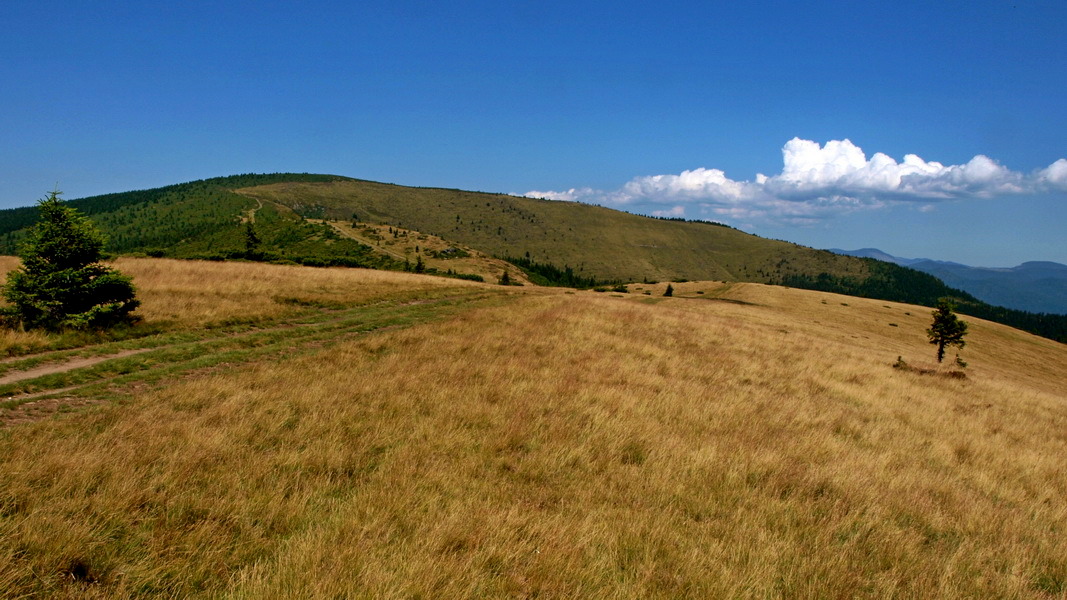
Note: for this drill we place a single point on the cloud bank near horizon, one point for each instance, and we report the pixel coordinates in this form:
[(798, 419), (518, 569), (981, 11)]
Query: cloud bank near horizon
[(818, 182)]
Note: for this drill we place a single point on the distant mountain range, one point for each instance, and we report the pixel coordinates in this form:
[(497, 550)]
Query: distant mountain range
[(1037, 286)]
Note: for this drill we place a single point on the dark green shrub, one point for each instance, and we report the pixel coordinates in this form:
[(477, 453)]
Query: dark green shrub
[(62, 284)]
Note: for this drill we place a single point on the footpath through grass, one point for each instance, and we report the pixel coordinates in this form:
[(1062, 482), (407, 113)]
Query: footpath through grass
[(111, 368)]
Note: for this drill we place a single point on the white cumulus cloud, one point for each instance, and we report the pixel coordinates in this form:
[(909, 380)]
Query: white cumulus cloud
[(817, 182), (1055, 176)]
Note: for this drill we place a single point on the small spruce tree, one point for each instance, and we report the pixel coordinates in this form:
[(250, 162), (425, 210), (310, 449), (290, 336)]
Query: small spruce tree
[(947, 329), (505, 279), (251, 240), (61, 284), (670, 290)]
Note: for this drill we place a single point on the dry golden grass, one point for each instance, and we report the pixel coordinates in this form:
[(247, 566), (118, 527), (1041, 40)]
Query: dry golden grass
[(567, 445), (198, 293), (185, 294)]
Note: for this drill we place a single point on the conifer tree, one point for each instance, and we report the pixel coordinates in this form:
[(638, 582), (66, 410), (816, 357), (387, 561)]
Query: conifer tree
[(947, 329), (669, 291), (62, 284), (251, 240)]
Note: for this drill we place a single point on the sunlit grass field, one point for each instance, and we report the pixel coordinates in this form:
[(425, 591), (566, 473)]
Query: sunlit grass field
[(177, 294), (734, 441)]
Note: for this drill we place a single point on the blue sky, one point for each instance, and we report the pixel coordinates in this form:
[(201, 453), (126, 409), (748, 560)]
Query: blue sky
[(764, 115)]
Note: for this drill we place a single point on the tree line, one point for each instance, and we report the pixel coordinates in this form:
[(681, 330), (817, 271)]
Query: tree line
[(550, 275)]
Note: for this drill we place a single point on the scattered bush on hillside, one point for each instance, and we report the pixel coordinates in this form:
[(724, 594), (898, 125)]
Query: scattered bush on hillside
[(448, 253), (467, 276), (669, 291), (61, 284), (902, 365)]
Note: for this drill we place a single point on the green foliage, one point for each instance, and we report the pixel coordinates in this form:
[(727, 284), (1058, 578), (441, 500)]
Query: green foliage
[(61, 284), (505, 279), (252, 240), (466, 276), (201, 220), (448, 253), (186, 219), (669, 291), (551, 275), (947, 329)]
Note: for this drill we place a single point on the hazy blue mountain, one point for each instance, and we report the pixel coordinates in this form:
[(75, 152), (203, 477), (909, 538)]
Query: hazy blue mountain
[(1037, 286)]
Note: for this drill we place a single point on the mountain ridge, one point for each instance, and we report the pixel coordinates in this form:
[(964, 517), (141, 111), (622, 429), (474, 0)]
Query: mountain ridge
[(1033, 286)]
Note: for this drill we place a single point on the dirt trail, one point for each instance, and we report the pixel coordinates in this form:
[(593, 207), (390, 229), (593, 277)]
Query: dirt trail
[(27, 407), (348, 233), (70, 365), (250, 214), (51, 368)]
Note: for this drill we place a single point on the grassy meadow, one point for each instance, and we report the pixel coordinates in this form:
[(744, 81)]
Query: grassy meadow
[(733, 441), (182, 295)]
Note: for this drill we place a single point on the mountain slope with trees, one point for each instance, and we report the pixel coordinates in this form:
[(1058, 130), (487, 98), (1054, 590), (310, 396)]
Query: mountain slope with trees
[(209, 219), (594, 241)]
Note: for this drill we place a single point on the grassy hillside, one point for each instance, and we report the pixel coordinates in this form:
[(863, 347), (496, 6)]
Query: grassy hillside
[(427, 437), (594, 241), (607, 244), (318, 219), (205, 219)]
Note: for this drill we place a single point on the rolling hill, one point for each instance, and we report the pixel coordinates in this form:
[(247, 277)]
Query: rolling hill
[(202, 220), (601, 242), (300, 218)]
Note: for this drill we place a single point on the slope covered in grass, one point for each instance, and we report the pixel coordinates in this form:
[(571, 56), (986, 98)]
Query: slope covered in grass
[(209, 219), (604, 244), (733, 441), (205, 219), (596, 241)]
